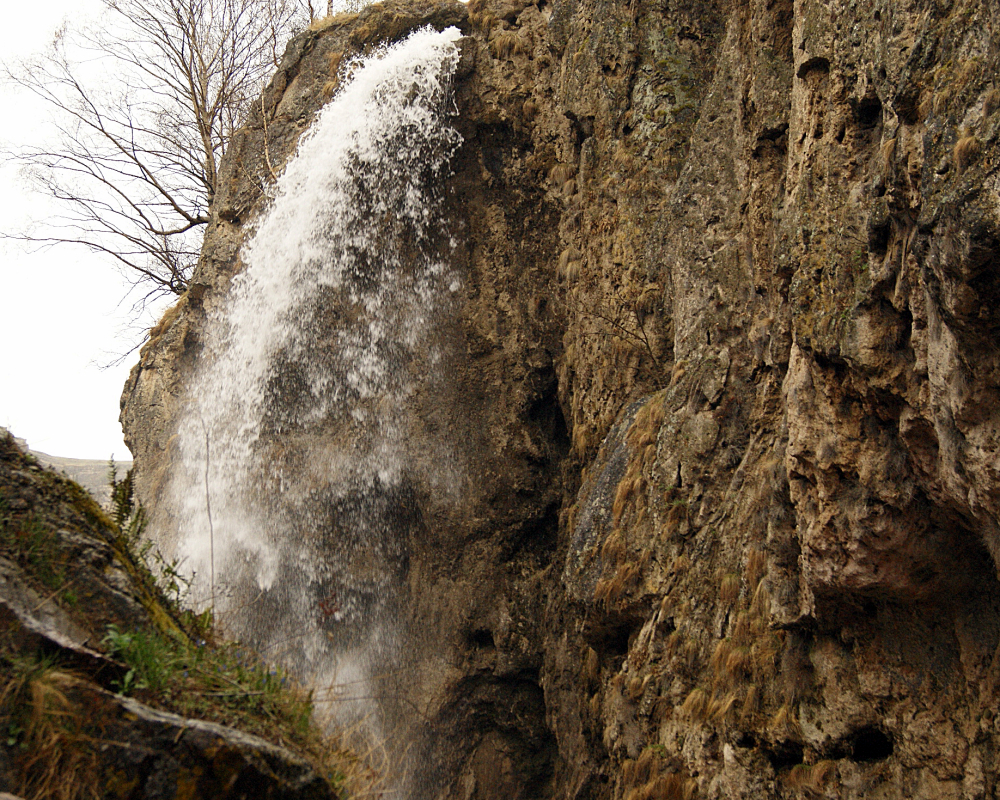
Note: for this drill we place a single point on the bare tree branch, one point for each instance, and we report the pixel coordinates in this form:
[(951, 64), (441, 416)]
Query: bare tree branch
[(145, 106)]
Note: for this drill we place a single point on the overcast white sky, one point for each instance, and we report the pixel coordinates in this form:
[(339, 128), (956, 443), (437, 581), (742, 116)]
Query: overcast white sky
[(61, 311)]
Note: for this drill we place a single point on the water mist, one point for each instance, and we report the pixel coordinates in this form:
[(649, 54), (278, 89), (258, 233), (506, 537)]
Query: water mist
[(292, 498)]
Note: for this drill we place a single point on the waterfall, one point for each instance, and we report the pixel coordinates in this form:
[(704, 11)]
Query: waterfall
[(291, 493)]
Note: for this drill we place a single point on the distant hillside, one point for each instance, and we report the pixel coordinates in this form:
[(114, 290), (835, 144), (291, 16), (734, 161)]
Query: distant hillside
[(91, 475)]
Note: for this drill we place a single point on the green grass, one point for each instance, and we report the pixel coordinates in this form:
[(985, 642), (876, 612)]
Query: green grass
[(35, 546), (225, 682)]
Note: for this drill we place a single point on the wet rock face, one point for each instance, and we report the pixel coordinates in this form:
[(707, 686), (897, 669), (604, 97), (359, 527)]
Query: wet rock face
[(727, 361)]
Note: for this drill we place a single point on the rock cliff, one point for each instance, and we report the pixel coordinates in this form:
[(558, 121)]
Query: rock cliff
[(724, 397)]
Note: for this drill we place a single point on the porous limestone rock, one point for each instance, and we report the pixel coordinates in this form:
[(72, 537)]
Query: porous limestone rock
[(728, 358)]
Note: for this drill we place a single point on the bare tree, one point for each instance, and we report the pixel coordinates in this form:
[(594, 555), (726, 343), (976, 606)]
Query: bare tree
[(146, 104)]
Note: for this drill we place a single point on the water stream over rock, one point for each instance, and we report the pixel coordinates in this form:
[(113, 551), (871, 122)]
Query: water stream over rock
[(293, 501)]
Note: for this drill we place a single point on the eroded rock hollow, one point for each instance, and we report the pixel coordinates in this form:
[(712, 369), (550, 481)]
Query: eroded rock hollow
[(719, 402)]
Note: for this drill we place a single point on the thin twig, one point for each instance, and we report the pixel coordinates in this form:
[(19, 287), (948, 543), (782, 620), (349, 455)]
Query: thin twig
[(51, 596), (208, 510), (267, 150)]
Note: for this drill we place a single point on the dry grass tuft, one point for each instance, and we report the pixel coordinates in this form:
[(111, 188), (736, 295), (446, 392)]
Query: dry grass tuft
[(507, 44), (760, 606), (941, 100), (737, 663), (645, 428), (611, 590), (581, 440), (741, 627), (752, 701), (169, 317), (676, 515), (691, 652), (337, 20), (333, 62), (730, 664), (811, 779), (886, 153), (966, 72), (925, 105), (641, 770), (480, 17), (569, 264), (721, 707), (696, 704), (613, 549), (670, 787), (756, 566), (783, 724), (635, 687), (630, 490), (628, 771), (591, 669), (729, 588), (763, 657), (991, 102), (719, 655), (51, 755), (483, 21), (966, 149)]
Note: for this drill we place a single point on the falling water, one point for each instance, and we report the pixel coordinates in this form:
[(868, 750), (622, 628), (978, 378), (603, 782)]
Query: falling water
[(292, 491)]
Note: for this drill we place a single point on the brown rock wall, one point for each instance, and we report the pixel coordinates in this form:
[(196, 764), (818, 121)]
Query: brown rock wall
[(725, 378)]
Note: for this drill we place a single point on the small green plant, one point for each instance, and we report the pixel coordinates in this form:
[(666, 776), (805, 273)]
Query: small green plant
[(225, 681), (121, 494), (148, 655), (859, 260), (130, 520), (14, 732)]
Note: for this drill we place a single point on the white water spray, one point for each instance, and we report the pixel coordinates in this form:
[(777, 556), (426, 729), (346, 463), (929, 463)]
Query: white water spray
[(291, 489)]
